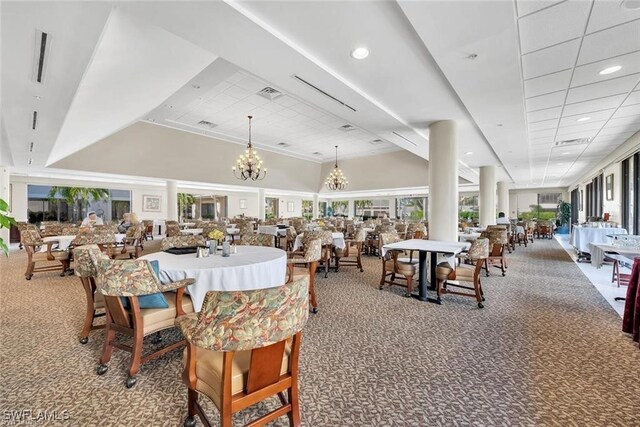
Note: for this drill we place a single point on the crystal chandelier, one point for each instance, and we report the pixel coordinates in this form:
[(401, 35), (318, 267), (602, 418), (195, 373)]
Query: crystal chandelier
[(336, 179), (249, 165)]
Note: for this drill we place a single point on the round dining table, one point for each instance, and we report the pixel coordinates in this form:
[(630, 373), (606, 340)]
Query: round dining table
[(252, 267)]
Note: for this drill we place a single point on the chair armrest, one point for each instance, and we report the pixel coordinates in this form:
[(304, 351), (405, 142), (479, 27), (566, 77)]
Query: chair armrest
[(187, 323), (180, 284)]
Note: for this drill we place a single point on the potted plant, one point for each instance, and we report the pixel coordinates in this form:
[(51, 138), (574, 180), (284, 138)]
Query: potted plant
[(5, 222), (564, 217)]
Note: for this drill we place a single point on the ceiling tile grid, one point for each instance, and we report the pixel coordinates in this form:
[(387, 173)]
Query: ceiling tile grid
[(565, 49)]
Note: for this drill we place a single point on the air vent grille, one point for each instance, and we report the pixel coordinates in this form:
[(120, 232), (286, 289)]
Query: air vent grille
[(283, 144), (317, 153), (579, 141), (41, 56), (406, 139), (376, 142), (34, 120), (347, 128), (270, 93), (317, 89), (207, 124)]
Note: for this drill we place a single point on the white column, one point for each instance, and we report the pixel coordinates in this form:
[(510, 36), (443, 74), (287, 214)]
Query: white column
[(172, 200), (315, 206), (19, 201), (503, 197), (351, 208), (443, 181), (487, 199), (261, 203), (4, 195)]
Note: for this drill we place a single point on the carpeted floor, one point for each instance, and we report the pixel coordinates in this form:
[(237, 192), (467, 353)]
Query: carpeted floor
[(546, 350)]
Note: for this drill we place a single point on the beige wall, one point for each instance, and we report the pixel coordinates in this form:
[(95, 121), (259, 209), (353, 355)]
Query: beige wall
[(149, 150), (399, 169)]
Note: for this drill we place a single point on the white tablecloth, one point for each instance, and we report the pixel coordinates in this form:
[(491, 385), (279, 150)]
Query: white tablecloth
[(272, 230), (338, 241), (187, 224), (582, 236), (63, 242), (191, 231), (597, 251), (253, 267), (449, 248), (468, 237)]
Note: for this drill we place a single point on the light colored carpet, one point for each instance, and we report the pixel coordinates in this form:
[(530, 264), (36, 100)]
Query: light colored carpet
[(546, 350)]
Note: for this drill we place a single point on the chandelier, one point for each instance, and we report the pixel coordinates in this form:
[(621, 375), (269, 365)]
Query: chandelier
[(336, 179), (249, 165)]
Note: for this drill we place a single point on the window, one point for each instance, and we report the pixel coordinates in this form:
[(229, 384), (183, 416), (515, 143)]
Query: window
[(371, 208), (271, 208), (468, 207), (549, 199), (339, 208), (322, 209), (411, 207)]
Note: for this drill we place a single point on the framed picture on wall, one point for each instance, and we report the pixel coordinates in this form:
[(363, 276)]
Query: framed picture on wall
[(608, 185), (151, 203), (290, 206), (243, 203)]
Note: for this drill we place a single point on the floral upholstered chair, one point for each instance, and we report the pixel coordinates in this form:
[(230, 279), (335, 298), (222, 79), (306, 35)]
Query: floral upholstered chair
[(477, 255), (39, 252), (185, 241), (416, 230), (243, 347), (291, 238), (309, 258), (132, 242), (52, 229), (147, 227), (173, 228), (85, 268), (124, 283), (351, 255), (397, 263), (256, 240), (327, 246)]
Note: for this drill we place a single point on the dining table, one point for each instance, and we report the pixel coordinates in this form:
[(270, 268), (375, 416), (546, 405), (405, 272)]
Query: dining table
[(338, 240), (251, 267), (598, 252), (434, 247), (64, 241), (581, 237), (468, 237), (273, 230)]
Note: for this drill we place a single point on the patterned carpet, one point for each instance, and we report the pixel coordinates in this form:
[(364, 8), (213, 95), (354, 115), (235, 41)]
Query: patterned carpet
[(546, 351)]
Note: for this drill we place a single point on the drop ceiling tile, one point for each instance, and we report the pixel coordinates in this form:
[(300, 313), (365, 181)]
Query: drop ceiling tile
[(236, 77), (568, 135), (542, 134), (621, 85), (546, 124), (550, 113), (251, 84), (633, 121), (615, 41), (541, 140), (570, 125), (545, 101), (607, 13), (526, 7), (594, 116), (593, 105), (550, 60), (620, 131), (630, 110), (547, 84), (591, 73), (554, 25), (286, 101)]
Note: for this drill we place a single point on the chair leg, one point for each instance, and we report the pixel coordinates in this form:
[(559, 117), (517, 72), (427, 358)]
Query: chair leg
[(312, 288), (107, 348), (89, 314), (384, 276), (30, 267), (136, 355), (409, 285), (439, 289), (360, 262), (294, 415)]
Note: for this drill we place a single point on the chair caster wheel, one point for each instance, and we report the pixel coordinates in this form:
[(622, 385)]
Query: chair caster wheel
[(504, 274), (190, 422), (84, 340), (102, 369), (380, 288), (483, 299), (314, 310), (407, 295), (28, 277), (63, 274), (480, 305), (157, 339), (131, 381), (362, 270)]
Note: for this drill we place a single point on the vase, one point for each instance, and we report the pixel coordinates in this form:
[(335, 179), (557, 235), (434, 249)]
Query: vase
[(213, 246)]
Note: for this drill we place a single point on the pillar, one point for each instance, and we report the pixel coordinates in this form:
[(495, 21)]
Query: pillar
[(487, 199), (315, 206), (172, 200), (443, 181), (392, 207), (351, 208), (261, 203), (503, 197)]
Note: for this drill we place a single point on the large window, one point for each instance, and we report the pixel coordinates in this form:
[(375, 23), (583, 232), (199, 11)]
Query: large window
[(411, 207), (549, 199), (468, 206), (339, 208), (322, 209), (271, 207), (307, 209), (371, 208)]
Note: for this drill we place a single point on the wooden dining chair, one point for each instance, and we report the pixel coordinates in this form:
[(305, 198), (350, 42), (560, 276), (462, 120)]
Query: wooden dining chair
[(132, 242), (53, 260), (470, 272), (182, 241), (327, 246), (85, 269), (123, 283), (235, 369), (311, 255), (257, 240), (397, 265), (351, 254), (172, 228), (497, 242)]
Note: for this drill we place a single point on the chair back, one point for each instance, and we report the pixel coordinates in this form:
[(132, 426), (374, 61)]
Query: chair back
[(361, 235), (125, 278), (30, 237), (271, 315), (208, 227), (134, 231), (172, 230), (69, 231), (479, 249), (52, 229), (312, 251), (256, 240), (186, 241), (85, 258)]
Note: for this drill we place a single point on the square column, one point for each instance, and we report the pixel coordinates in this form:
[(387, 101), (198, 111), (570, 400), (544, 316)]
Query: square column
[(443, 181), (487, 199)]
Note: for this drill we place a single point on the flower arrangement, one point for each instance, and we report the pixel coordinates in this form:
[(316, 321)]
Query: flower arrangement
[(216, 235), (321, 223)]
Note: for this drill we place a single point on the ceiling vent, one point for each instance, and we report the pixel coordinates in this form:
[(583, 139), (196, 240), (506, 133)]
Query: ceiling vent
[(376, 142), (31, 147), (333, 98), (207, 124), (283, 144), (347, 128), (34, 120), (317, 153), (270, 93), (579, 141), (406, 139), (41, 59)]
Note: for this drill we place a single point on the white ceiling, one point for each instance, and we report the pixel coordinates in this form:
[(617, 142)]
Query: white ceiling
[(536, 73)]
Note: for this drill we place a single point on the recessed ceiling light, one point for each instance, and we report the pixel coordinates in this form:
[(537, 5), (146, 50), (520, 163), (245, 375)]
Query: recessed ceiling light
[(360, 52), (499, 125), (195, 86), (30, 161), (610, 70), (38, 97), (565, 153), (560, 164), (468, 153), (630, 4), (583, 119)]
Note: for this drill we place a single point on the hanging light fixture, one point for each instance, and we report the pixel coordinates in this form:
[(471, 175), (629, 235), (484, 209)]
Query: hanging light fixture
[(336, 179), (249, 165)]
